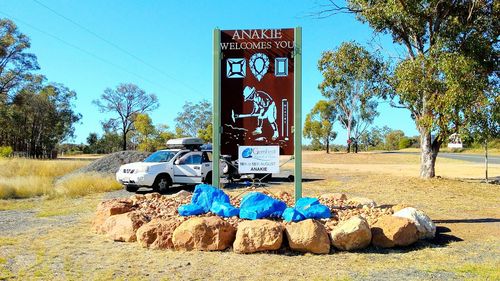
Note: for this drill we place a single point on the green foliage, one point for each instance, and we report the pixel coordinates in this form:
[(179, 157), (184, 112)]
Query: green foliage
[(206, 133), (318, 125), (352, 78), (6, 151), (150, 138), (451, 63), (194, 120), (393, 138), (404, 142), (126, 101), (35, 116)]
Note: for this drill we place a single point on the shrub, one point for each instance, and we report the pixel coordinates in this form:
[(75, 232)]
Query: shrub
[(6, 151)]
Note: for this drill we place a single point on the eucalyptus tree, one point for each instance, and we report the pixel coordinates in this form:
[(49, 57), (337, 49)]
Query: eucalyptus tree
[(318, 125), (352, 80), (125, 101), (452, 51)]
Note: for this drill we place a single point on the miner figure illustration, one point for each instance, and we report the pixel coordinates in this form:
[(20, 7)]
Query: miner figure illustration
[(264, 108)]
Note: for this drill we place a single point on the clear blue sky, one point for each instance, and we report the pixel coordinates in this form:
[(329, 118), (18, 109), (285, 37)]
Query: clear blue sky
[(167, 48)]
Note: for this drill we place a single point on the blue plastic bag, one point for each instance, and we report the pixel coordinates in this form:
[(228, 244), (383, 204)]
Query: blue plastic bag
[(257, 205), (305, 202), (204, 195), (224, 209), (318, 211), (290, 214), (190, 210)]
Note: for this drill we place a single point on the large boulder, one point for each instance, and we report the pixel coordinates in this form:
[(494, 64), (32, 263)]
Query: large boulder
[(123, 227), (353, 234), (425, 226), (390, 231), (110, 208), (361, 202), (157, 234), (204, 234), (258, 235), (308, 236)]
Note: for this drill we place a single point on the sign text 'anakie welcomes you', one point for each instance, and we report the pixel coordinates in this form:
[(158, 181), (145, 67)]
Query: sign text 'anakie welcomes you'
[(257, 39)]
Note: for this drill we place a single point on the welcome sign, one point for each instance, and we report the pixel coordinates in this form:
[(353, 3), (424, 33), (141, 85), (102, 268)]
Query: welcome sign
[(257, 89)]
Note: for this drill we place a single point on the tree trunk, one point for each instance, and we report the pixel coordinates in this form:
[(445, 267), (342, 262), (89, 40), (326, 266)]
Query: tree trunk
[(328, 145), (124, 141), (486, 160), (429, 152)]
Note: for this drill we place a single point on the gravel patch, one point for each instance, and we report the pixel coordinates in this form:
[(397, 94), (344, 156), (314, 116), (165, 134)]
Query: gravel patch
[(111, 163), (19, 221)]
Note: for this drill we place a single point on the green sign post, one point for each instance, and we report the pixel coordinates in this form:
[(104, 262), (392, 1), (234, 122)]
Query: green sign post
[(216, 109), (251, 68), (297, 127)]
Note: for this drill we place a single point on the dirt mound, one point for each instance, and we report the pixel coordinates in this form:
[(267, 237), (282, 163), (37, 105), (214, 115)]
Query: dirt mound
[(110, 164)]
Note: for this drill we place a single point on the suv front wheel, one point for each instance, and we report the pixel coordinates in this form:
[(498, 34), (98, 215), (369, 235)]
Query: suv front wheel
[(162, 183)]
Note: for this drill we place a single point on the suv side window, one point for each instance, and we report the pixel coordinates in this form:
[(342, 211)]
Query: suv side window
[(191, 159)]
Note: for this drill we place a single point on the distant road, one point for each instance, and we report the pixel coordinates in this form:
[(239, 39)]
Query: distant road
[(476, 158)]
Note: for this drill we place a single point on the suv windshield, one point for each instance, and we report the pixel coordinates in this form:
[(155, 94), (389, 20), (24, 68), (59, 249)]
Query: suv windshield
[(161, 156)]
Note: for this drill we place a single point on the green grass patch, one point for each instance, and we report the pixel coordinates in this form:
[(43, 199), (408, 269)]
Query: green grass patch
[(480, 271), (64, 206), (25, 204), (8, 241)]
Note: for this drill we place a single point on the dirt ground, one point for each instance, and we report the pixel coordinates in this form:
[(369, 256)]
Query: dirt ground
[(52, 239)]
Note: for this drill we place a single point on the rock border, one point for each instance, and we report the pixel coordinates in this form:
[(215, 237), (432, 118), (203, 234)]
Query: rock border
[(357, 223)]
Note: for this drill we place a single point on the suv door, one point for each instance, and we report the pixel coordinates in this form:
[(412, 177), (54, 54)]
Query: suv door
[(187, 169)]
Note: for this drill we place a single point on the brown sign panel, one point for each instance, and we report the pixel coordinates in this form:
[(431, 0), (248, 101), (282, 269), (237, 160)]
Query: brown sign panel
[(257, 89)]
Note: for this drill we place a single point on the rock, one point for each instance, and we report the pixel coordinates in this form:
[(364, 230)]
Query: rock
[(353, 234), (204, 234), (362, 201), (123, 227), (425, 226), (390, 231), (399, 207), (258, 235), (333, 196), (109, 208), (308, 236), (152, 196), (137, 198), (157, 234), (180, 195)]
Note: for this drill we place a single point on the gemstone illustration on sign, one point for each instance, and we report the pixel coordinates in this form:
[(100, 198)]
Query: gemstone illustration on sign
[(281, 67), (264, 108), (236, 68), (259, 64)]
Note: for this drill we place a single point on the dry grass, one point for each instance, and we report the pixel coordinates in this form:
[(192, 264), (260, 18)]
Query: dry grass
[(84, 184), (469, 210), (25, 178), (20, 167)]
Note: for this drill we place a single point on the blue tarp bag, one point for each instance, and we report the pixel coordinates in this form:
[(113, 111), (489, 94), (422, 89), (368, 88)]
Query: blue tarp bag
[(204, 195), (257, 205), (306, 202), (190, 210), (310, 208), (224, 209), (318, 211), (290, 214)]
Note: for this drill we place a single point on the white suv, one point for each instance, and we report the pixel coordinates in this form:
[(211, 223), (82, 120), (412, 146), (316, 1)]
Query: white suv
[(166, 167)]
